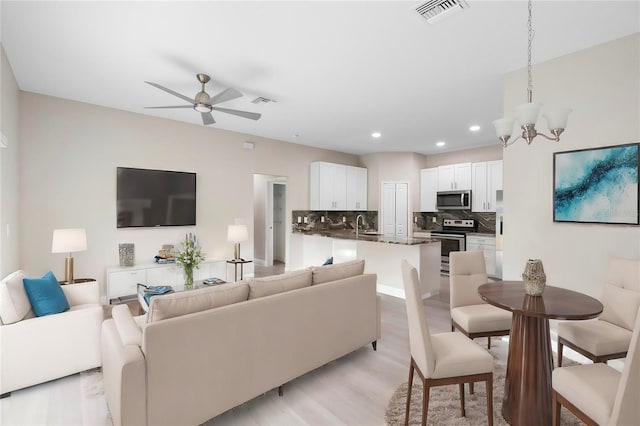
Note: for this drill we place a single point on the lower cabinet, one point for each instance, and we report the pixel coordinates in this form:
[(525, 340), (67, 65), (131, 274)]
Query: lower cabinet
[(122, 281), (487, 245)]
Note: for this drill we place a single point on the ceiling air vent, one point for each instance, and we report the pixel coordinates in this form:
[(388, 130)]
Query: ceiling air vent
[(436, 10)]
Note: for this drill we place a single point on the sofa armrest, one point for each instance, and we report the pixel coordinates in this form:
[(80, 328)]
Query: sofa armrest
[(82, 293), (124, 374), (128, 329)]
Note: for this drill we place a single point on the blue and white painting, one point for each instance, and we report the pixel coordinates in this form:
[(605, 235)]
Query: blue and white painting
[(597, 185)]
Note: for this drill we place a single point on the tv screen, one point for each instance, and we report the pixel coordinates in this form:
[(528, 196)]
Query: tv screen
[(148, 198)]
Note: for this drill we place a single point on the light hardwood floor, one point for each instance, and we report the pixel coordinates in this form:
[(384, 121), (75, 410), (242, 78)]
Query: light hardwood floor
[(353, 390)]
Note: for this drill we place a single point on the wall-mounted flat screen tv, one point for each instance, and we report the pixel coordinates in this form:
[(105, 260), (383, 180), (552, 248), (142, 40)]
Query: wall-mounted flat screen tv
[(147, 198)]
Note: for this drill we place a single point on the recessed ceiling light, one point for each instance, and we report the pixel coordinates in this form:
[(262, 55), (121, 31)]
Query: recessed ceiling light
[(376, 135), (474, 128), (441, 143)]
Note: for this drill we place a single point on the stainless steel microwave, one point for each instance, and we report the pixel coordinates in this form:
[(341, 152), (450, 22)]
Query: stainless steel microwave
[(453, 200)]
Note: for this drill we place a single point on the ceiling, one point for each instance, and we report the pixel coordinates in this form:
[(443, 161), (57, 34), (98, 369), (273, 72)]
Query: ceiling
[(337, 70)]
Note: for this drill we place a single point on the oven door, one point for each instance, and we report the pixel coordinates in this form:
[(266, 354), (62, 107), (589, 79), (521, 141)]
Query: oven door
[(449, 243)]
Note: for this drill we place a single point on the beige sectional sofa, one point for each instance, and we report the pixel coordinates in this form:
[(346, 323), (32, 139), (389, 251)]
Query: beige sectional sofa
[(34, 349), (202, 352)]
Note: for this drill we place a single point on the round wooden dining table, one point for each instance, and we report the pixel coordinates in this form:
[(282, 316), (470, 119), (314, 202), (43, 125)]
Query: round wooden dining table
[(527, 385)]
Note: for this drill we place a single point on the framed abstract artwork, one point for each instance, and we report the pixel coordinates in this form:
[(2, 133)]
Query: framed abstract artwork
[(597, 185)]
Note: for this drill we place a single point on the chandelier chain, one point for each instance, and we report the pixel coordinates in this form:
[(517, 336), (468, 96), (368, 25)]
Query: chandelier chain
[(531, 34)]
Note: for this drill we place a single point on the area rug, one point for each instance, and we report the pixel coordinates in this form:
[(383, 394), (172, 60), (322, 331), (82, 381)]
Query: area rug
[(444, 401)]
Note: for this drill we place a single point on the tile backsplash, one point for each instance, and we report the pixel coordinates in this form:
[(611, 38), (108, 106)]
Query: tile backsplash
[(424, 221), (322, 220)]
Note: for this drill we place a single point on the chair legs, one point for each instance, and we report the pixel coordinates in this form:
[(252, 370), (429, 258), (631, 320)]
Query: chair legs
[(560, 347), (488, 342), (489, 390), (427, 384), (409, 387)]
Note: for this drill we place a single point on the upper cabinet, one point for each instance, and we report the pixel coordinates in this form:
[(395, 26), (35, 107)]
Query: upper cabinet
[(356, 188), (337, 187), (428, 189), (486, 180), (454, 177)]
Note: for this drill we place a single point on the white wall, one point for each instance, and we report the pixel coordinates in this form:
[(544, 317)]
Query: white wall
[(69, 155), (473, 155), (9, 183), (393, 167), (602, 85)]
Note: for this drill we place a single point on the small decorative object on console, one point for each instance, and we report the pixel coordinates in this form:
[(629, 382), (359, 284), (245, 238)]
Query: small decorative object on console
[(189, 258), (213, 281), (127, 254), (534, 277)]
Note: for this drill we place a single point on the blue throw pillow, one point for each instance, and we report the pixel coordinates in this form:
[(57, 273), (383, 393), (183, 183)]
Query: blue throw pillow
[(329, 261), (46, 295)]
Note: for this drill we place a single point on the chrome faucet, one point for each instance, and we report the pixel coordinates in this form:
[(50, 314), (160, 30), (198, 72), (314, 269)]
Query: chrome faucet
[(357, 218)]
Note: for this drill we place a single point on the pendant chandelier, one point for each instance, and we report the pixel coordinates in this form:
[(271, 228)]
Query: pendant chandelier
[(527, 113)]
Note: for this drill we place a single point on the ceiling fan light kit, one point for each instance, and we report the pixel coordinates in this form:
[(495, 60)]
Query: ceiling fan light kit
[(527, 114), (204, 104)]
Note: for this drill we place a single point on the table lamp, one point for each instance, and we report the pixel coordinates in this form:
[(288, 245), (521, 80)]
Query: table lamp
[(68, 241), (237, 234)]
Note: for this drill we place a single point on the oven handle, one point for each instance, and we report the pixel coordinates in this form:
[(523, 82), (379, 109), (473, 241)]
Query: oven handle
[(449, 236)]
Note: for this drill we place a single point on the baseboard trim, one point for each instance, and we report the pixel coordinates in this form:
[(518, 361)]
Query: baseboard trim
[(259, 262)]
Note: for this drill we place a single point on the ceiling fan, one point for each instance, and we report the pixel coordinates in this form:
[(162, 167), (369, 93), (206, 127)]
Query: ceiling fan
[(204, 104)]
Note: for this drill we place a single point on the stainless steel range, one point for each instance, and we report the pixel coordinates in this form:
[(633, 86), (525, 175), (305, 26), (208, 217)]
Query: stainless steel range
[(453, 238)]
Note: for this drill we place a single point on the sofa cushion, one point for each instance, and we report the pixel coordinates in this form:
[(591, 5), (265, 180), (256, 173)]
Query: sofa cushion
[(267, 286), (337, 271), (620, 306), (14, 302), (46, 295), (187, 302)]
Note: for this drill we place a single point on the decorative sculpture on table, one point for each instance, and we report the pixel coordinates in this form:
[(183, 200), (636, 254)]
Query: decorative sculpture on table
[(189, 258), (534, 277)]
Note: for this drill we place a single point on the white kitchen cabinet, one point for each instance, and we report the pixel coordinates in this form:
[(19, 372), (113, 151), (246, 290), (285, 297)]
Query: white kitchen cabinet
[(454, 177), (428, 189), (486, 180), (356, 188), (329, 187), (487, 245)]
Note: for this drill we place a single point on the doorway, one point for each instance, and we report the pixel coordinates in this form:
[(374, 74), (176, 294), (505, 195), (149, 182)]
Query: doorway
[(270, 224), (395, 209)]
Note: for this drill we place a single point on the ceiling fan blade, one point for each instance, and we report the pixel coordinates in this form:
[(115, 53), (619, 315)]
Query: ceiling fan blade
[(226, 95), (245, 114), (207, 118), (172, 92), (174, 106)]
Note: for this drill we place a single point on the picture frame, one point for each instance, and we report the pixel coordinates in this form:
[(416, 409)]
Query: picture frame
[(597, 185)]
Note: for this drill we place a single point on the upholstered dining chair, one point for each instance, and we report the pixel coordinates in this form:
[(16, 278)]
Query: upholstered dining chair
[(469, 313), (598, 394), (444, 358), (608, 336)]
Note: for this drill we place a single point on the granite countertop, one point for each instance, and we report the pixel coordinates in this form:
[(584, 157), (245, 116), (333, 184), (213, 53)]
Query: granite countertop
[(376, 238)]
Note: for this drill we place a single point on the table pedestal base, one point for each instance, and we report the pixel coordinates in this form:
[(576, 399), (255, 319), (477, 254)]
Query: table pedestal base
[(530, 362)]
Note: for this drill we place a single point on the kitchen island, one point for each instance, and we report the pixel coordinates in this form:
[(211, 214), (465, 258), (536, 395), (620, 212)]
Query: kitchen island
[(382, 256)]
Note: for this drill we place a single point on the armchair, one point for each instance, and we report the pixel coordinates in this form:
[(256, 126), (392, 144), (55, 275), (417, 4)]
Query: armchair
[(38, 349)]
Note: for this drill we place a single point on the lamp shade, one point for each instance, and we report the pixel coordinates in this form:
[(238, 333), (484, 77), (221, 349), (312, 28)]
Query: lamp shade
[(504, 127), (557, 117), (69, 240), (528, 113), (237, 233)]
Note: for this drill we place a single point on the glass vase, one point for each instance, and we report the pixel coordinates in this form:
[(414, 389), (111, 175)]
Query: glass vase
[(188, 278)]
